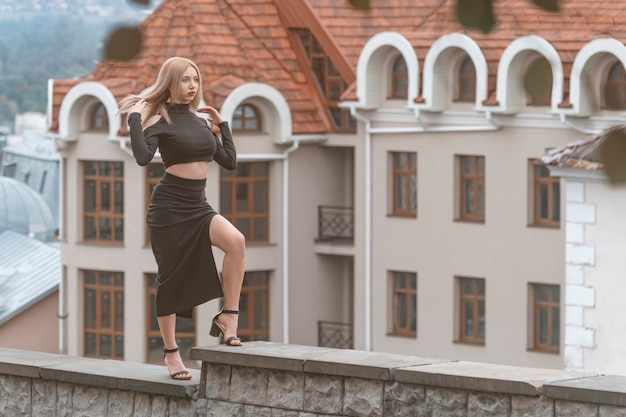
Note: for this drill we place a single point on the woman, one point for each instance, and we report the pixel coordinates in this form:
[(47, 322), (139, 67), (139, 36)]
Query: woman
[(182, 225)]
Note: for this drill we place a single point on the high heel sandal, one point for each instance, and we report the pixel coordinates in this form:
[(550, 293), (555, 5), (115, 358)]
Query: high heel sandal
[(180, 375), (218, 329)]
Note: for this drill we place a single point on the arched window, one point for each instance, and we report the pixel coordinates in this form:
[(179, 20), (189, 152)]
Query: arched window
[(399, 78), (467, 81), (538, 83), (615, 88), (98, 118), (247, 118)]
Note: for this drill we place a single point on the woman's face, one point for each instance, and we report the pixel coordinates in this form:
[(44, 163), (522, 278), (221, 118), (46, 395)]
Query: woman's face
[(188, 87)]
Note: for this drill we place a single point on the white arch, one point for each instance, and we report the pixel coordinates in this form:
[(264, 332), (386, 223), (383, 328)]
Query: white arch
[(583, 59), (369, 67), (271, 94), (509, 66), (433, 78), (68, 118)]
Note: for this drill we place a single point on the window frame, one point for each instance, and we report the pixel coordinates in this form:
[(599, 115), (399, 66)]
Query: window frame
[(550, 182), (410, 190), (98, 331), (243, 119), (474, 299), (231, 180), (113, 180), (95, 117), (475, 177), (410, 295), (464, 77), (397, 78), (550, 304)]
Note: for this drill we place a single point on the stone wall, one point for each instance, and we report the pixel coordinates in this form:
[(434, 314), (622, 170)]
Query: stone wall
[(263, 379)]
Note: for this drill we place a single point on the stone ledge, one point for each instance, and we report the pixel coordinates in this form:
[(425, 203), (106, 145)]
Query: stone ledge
[(311, 359), (111, 374), (601, 389), (485, 377)]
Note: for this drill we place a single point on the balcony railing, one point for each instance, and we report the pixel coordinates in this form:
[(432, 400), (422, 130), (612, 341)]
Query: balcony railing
[(335, 223), (334, 335)]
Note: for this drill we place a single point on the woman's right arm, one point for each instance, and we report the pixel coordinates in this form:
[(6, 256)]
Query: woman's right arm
[(144, 147)]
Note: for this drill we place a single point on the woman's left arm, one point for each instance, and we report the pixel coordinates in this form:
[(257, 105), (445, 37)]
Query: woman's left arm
[(225, 154)]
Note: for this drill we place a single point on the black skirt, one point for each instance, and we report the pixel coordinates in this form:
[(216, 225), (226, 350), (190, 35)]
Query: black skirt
[(178, 220)]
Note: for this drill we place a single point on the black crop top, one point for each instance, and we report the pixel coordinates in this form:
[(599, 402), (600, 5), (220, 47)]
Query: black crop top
[(188, 139)]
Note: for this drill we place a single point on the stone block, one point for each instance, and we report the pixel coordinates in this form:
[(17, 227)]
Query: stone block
[(575, 409), (526, 406), (611, 411), (249, 385), (574, 274), (573, 357), (142, 405), (363, 397), (121, 403), (574, 316), (579, 336), (575, 192), (222, 408), (65, 393), (403, 400), (580, 213), (575, 233), (15, 396), (160, 406), (598, 389), (578, 295), (323, 393), (442, 402), (285, 390), (256, 411), (579, 254), (44, 398), (188, 407), (216, 380), (481, 404), (89, 401), (279, 412)]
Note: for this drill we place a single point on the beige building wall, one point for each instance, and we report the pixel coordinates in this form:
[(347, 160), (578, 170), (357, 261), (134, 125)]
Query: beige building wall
[(36, 328)]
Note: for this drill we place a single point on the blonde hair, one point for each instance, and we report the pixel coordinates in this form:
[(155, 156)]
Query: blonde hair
[(166, 86)]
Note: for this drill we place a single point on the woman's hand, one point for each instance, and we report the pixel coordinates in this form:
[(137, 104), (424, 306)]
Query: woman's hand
[(214, 115), (138, 107)]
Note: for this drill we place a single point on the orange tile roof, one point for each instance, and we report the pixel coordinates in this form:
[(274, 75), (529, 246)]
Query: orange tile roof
[(239, 41)]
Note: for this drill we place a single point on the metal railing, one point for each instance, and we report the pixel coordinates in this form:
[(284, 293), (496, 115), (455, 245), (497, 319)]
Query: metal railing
[(334, 335), (335, 222)]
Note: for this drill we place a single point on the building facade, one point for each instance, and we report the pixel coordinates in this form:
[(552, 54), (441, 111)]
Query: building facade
[(390, 181)]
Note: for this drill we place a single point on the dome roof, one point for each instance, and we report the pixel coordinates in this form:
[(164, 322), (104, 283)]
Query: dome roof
[(24, 211)]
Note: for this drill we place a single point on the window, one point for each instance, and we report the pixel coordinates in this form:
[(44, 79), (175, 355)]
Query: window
[(254, 322), (98, 118), (399, 83), (538, 83), (9, 169), (615, 88), (247, 118), (185, 328), (404, 303), (154, 172), (472, 188), (329, 81), (546, 320), (244, 199), (467, 81), (404, 183), (104, 314), (103, 201), (546, 197), (472, 310)]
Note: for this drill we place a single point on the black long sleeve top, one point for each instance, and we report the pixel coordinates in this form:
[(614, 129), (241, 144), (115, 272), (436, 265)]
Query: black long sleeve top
[(188, 139)]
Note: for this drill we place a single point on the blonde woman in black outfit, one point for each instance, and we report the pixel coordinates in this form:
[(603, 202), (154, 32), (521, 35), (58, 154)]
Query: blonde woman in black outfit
[(182, 224)]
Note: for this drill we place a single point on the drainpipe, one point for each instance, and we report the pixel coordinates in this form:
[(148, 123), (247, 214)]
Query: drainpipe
[(61, 236), (368, 227), (285, 239)]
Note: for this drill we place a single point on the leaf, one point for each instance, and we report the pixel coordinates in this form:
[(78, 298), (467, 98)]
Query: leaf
[(476, 14), (613, 154), (360, 4), (123, 44), (549, 5)]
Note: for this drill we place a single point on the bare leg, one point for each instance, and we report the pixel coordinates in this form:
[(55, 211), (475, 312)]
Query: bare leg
[(230, 240), (173, 361)]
